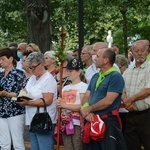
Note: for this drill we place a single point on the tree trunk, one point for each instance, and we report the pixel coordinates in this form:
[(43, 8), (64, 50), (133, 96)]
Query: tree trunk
[(123, 12), (38, 23)]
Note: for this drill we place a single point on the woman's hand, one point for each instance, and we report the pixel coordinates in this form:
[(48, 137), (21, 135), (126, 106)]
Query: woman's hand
[(3, 93), (60, 102), (23, 102), (7, 94)]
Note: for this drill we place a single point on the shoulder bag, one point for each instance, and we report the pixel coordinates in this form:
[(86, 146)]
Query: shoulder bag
[(41, 121)]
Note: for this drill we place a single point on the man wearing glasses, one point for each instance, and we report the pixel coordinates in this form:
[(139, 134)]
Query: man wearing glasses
[(86, 58)]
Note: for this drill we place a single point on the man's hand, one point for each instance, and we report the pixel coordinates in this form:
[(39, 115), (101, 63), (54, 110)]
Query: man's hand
[(89, 117), (85, 111), (132, 107), (128, 103)]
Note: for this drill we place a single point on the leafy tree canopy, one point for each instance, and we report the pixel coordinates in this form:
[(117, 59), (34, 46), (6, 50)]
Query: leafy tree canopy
[(99, 17), (12, 22)]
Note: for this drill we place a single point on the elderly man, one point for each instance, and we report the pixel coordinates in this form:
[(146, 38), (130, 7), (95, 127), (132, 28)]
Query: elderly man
[(96, 47), (93, 52), (86, 58), (136, 98), (103, 98)]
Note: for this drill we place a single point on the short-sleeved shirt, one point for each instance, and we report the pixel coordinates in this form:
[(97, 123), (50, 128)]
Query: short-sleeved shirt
[(35, 88), (137, 78), (71, 95), (90, 71), (13, 82), (112, 83)]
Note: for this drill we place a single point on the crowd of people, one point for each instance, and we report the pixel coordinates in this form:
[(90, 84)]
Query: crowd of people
[(104, 101)]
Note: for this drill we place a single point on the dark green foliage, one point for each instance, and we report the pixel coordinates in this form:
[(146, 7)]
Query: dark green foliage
[(12, 22), (126, 18)]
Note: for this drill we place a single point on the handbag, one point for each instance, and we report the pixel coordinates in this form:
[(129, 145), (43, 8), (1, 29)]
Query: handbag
[(41, 121)]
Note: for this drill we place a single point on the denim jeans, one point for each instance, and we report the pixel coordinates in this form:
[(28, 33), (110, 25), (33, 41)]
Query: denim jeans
[(42, 141)]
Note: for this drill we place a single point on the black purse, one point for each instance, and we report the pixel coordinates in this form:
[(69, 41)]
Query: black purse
[(41, 121)]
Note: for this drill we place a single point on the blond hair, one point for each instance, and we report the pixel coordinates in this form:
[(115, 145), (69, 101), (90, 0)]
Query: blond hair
[(34, 47)]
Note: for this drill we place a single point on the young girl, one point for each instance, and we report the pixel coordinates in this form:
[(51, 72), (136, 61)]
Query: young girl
[(70, 103)]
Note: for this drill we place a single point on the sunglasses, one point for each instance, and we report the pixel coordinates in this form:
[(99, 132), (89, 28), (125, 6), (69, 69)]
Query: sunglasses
[(32, 68)]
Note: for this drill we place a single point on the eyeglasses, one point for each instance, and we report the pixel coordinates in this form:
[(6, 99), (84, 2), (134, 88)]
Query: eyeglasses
[(84, 53), (32, 68)]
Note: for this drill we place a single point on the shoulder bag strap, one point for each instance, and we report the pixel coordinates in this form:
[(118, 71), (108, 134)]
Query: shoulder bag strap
[(45, 110)]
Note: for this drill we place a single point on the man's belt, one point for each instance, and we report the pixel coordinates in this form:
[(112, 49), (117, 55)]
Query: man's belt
[(113, 113)]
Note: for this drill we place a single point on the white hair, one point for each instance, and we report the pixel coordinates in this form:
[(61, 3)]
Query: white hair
[(51, 54)]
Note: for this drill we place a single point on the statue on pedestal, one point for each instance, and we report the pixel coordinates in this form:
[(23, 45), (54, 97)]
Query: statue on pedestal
[(109, 39)]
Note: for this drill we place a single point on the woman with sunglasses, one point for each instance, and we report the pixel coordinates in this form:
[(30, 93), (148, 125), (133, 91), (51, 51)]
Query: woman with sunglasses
[(40, 85), (31, 47)]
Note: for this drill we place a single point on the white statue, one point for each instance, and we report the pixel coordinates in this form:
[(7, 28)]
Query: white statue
[(109, 39)]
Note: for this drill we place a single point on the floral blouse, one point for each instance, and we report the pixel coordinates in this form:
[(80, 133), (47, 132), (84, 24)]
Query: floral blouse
[(13, 82)]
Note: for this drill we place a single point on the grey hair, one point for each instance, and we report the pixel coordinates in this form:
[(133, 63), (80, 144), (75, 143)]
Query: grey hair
[(121, 60), (88, 48), (50, 54), (101, 45), (35, 57), (68, 56), (145, 43)]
